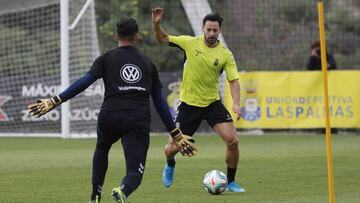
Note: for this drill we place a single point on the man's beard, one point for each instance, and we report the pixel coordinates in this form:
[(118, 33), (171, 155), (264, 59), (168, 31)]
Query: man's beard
[(211, 40)]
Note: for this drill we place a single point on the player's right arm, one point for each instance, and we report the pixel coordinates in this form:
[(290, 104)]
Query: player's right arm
[(161, 35), (42, 106)]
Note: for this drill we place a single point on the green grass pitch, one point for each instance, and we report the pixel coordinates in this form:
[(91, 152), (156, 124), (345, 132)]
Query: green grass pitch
[(272, 168)]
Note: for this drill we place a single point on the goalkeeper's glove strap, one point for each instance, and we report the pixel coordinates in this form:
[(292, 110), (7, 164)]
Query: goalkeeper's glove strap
[(175, 133), (56, 100)]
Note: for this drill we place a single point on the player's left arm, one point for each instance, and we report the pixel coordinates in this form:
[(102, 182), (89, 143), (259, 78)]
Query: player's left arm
[(235, 94), (184, 143), (232, 75)]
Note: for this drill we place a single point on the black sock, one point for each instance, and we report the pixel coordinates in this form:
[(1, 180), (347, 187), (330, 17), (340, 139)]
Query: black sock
[(96, 192), (231, 172), (126, 189), (171, 162)]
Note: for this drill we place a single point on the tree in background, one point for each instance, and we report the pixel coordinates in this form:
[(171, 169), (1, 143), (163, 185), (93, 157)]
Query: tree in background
[(109, 12), (263, 35)]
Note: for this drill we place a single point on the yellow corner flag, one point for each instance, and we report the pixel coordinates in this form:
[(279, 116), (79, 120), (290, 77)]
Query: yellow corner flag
[(326, 95)]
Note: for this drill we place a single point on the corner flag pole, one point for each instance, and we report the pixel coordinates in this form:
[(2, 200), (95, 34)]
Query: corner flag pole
[(326, 95)]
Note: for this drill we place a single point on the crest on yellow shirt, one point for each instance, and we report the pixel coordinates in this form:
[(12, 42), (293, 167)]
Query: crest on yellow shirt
[(216, 62)]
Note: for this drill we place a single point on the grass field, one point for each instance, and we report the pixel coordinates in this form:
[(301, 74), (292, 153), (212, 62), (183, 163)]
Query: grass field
[(272, 169)]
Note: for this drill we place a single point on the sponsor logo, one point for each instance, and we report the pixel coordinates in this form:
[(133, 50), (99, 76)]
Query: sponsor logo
[(3, 100), (130, 73), (84, 114), (42, 90), (228, 117), (125, 88), (39, 90), (99, 189), (141, 168)]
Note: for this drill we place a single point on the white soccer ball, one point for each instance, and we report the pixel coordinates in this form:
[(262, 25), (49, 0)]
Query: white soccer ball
[(215, 182)]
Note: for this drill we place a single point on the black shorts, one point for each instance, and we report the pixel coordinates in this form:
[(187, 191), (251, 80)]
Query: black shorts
[(189, 118), (132, 129), (113, 125)]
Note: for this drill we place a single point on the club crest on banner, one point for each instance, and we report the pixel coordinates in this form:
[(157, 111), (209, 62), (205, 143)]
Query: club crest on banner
[(173, 97), (250, 109)]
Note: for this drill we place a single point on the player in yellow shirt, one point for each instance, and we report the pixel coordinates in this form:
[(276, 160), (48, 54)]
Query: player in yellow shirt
[(206, 58)]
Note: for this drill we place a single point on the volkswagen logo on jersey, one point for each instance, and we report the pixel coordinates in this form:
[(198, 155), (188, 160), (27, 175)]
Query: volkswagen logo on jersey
[(130, 73)]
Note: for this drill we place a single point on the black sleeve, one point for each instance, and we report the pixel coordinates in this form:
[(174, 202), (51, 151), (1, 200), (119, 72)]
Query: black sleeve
[(332, 63), (163, 109), (155, 80), (97, 67), (77, 87), (312, 63)]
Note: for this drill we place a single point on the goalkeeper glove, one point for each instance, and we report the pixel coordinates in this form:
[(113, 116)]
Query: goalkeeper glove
[(42, 106), (184, 143)]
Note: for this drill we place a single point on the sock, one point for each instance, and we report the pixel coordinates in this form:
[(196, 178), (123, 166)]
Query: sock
[(231, 172), (126, 189), (96, 191), (171, 162)]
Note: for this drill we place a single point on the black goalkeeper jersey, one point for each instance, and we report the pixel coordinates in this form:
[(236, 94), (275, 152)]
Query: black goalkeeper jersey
[(129, 78)]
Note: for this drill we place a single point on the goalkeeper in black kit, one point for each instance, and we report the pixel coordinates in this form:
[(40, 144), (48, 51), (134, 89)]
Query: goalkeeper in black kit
[(129, 78)]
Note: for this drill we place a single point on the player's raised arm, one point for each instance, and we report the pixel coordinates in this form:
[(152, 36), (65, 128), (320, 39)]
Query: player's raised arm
[(157, 16)]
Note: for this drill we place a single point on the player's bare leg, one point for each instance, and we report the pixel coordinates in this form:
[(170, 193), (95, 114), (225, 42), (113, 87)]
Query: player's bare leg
[(227, 131), (170, 151)]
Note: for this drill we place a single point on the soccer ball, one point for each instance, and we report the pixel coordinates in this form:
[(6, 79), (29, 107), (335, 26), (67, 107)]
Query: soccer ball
[(215, 182)]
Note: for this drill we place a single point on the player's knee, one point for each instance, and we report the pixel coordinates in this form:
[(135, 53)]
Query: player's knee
[(233, 143), (100, 146)]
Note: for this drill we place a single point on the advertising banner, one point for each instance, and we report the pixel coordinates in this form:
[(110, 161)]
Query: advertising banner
[(295, 99)]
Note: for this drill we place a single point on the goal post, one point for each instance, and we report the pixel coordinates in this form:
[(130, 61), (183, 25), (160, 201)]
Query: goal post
[(40, 55), (65, 81)]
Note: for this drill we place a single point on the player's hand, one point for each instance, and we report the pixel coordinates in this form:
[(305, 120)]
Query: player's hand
[(185, 143), (157, 15), (314, 53), (237, 110), (42, 106)]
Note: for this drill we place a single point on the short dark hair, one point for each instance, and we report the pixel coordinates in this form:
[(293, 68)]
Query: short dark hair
[(127, 27), (315, 44), (213, 17)]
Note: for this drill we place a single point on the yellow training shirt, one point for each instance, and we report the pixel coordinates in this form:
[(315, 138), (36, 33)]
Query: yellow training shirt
[(202, 68)]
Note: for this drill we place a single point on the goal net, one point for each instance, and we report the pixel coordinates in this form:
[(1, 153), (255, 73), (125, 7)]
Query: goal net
[(30, 66)]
